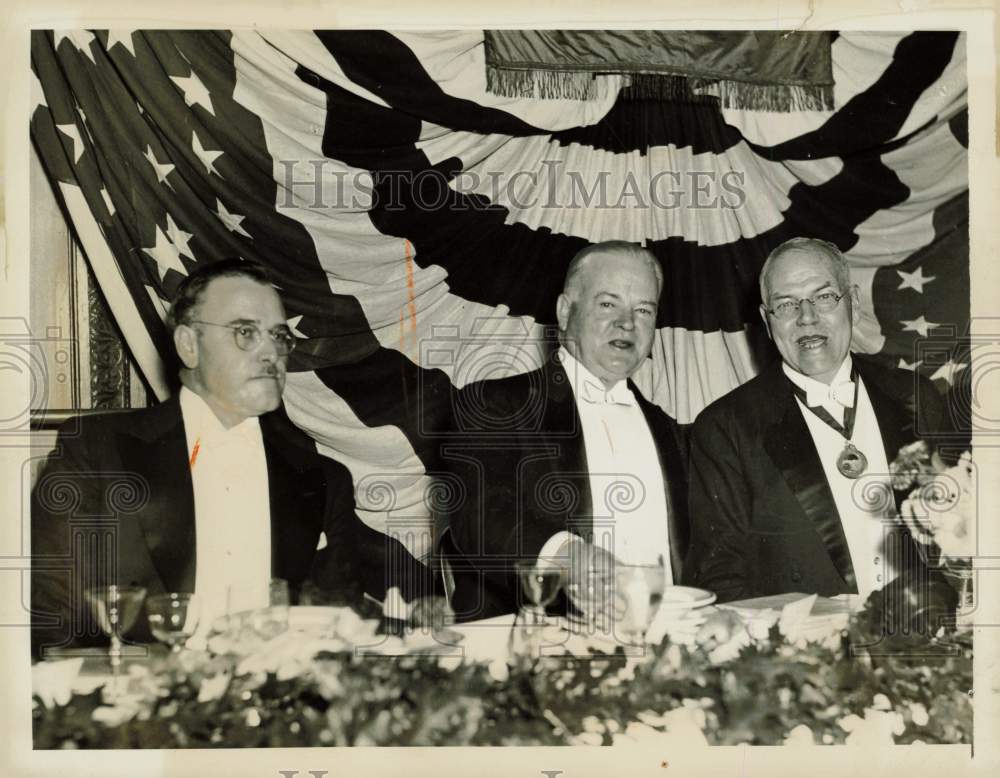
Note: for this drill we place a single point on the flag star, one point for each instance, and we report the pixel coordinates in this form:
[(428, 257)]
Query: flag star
[(207, 156), (37, 95), (124, 37), (914, 280), (107, 201), (79, 38), (194, 91), (73, 132), (920, 325), (947, 371), (166, 255), (293, 325), (231, 220), (179, 238), (162, 171), (911, 366)]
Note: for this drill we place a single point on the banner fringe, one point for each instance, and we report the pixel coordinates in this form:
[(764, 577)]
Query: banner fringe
[(544, 84), (737, 95)]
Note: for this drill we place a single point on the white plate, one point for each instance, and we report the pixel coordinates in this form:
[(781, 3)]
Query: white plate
[(685, 597)]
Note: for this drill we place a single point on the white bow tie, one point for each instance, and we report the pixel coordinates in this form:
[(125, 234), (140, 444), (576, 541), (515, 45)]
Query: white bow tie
[(841, 393), (597, 395)]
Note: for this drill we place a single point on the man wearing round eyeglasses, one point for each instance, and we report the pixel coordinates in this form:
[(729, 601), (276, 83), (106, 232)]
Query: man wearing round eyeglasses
[(226, 492), (789, 483)]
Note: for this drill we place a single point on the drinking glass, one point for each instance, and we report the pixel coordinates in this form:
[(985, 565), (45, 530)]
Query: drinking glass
[(540, 581), (116, 609), (173, 618), (271, 621), (638, 592)]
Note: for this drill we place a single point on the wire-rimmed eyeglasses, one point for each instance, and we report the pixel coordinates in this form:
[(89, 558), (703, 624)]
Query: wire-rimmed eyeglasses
[(249, 336), (824, 302)]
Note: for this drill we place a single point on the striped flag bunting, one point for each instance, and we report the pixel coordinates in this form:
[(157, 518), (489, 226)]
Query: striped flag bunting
[(418, 226)]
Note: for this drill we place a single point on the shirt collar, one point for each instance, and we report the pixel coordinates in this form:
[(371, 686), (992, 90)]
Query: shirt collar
[(587, 387), (814, 388), (201, 423)]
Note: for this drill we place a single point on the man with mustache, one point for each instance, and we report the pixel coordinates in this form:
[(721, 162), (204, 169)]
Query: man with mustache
[(570, 461), (214, 491), (789, 489)]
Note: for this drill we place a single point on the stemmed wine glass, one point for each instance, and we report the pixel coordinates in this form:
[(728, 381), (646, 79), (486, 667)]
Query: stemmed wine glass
[(540, 581), (116, 609), (173, 618)]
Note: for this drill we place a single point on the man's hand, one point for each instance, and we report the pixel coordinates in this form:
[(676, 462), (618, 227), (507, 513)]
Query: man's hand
[(590, 573), (719, 628)]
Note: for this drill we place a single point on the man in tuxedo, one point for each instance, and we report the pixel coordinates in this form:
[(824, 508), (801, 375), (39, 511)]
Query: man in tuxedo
[(570, 462), (214, 491), (789, 489)]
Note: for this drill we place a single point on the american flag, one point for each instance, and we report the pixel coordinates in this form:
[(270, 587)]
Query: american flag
[(419, 227)]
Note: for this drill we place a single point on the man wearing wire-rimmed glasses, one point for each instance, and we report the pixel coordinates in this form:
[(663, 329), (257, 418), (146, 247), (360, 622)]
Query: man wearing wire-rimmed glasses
[(789, 483), (226, 492)]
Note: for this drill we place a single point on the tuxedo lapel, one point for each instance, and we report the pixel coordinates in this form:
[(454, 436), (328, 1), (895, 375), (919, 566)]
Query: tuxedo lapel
[(894, 424), (156, 451), (791, 448), (672, 467), (294, 495), (561, 428)]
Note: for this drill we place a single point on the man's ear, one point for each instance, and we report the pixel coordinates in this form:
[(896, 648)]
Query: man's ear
[(186, 344), (563, 306), (855, 304), (763, 315)]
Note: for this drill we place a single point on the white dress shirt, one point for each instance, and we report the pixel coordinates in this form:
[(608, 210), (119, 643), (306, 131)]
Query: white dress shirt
[(865, 504), (231, 509), (626, 479)]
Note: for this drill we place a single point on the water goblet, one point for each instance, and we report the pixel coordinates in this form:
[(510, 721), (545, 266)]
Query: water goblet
[(540, 580), (638, 591), (116, 609), (173, 618)]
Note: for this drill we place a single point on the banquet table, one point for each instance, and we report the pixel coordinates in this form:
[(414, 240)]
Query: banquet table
[(793, 675)]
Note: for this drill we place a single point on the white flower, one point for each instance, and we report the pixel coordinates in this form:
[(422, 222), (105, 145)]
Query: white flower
[(800, 736), (592, 724), (588, 739), (450, 663), (941, 510), (116, 715), (881, 702), (685, 726), (875, 729), (52, 682), (635, 732), (918, 713), (499, 671), (213, 688)]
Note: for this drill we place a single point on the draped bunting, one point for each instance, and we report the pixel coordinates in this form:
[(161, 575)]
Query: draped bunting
[(759, 70), (419, 226)]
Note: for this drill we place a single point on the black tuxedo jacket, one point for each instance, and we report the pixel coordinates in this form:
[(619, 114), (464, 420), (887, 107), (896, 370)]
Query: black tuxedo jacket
[(518, 450), (115, 503), (763, 518)]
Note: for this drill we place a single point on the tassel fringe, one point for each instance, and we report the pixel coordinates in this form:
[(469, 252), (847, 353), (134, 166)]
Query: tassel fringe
[(583, 85)]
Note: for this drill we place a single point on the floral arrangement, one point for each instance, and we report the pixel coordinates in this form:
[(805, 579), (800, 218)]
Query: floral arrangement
[(293, 693), (940, 503)]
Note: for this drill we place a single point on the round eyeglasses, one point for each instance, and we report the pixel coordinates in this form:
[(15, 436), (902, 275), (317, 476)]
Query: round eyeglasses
[(249, 336), (821, 303)]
